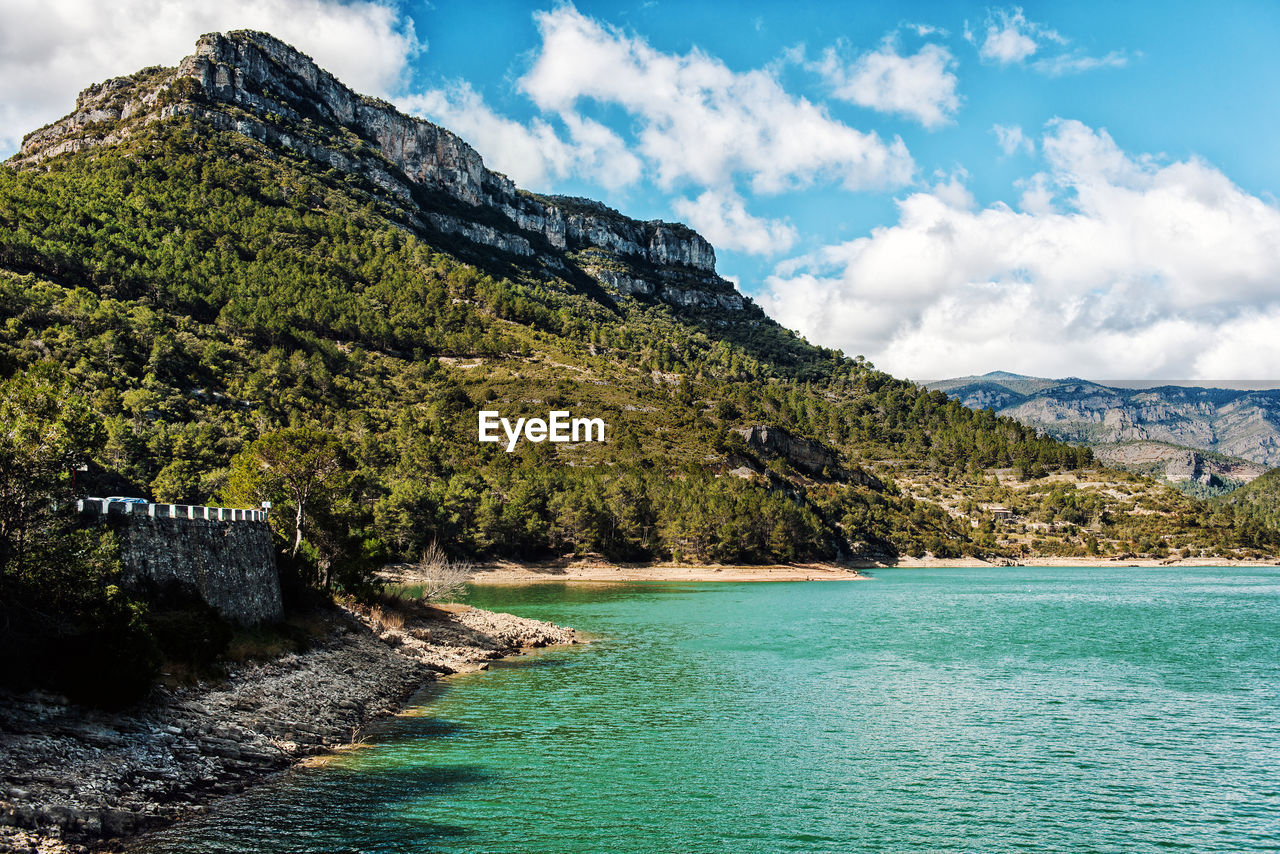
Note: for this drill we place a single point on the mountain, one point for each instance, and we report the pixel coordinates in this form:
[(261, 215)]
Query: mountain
[(207, 254), (259, 87), (1235, 423)]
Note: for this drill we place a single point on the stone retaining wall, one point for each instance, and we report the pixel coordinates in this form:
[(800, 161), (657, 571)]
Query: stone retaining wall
[(230, 564)]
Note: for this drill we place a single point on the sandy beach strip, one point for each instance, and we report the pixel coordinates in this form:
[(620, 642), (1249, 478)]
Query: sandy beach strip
[(590, 571)]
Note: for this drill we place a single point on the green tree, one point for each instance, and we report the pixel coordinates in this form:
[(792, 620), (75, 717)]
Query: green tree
[(303, 466), (65, 621), (46, 433)]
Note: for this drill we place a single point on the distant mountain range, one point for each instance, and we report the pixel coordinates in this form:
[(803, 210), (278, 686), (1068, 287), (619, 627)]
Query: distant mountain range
[(1139, 427)]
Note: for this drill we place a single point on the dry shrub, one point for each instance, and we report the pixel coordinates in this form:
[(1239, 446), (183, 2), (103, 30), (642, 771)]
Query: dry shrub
[(387, 617), (441, 576)]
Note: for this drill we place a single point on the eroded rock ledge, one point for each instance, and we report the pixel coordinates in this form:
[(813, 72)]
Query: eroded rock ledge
[(75, 779)]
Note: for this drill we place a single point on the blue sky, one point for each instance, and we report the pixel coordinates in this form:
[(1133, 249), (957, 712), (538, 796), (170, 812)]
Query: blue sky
[(1062, 189)]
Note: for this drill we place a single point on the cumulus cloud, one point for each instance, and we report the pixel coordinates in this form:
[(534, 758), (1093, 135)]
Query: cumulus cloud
[(1010, 38), (721, 217), (1012, 140), (1124, 266), (533, 155), (61, 46), (921, 86), (700, 122)]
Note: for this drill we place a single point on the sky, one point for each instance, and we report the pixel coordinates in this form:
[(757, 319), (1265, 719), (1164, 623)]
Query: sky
[(947, 188)]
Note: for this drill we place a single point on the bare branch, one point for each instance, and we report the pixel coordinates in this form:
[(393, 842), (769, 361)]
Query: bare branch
[(441, 576)]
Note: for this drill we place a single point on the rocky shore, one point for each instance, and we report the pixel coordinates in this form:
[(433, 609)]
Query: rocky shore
[(74, 779)]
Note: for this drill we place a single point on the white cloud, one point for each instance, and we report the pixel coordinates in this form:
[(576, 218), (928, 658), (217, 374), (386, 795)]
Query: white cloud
[(533, 155), (923, 30), (1121, 266), (1037, 195), (51, 49), (722, 218), (1076, 63), (1011, 38), (1012, 140), (700, 122), (921, 86), (952, 192)]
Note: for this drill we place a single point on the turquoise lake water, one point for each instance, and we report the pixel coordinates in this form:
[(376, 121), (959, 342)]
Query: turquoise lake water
[(959, 710)]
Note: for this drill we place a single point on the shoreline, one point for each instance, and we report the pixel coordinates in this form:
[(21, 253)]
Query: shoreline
[(1075, 562), (79, 779), (588, 571)]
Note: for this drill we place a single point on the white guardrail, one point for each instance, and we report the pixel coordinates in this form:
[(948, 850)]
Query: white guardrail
[(107, 506)]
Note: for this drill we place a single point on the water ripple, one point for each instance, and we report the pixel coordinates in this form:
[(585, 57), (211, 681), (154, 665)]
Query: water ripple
[(985, 710)]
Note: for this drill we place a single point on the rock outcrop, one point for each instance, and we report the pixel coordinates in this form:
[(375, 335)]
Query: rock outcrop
[(1175, 464), (254, 84), (806, 455)]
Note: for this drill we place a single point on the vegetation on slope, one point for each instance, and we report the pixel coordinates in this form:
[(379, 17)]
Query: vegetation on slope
[(1258, 500)]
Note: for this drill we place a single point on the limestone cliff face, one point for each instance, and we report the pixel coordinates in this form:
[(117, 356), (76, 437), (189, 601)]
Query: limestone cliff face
[(256, 85), (1176, 464)]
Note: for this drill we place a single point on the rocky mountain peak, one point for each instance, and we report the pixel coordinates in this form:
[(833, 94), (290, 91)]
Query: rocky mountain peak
[(252, 83)]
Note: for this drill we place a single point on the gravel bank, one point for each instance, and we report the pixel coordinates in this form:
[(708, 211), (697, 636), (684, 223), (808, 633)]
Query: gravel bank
[(77, 779)]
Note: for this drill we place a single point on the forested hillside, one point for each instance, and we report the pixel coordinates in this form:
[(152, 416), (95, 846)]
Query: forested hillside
[(197, 288), (200, 290), (1258, 500)]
